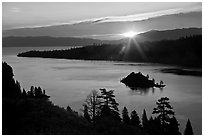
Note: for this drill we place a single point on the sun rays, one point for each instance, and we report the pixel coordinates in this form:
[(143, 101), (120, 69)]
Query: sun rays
[(132, 46)]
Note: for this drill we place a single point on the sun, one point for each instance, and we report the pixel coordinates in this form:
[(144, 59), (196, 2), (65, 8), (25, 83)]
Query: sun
[(129, 34)]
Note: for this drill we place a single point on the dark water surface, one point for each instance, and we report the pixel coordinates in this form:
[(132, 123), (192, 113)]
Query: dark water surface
[(68, 82)]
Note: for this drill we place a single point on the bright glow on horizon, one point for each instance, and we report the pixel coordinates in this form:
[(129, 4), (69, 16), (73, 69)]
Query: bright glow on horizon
[(129, 34)]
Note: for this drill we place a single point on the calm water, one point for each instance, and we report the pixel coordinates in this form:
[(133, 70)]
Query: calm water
[(68, 82)]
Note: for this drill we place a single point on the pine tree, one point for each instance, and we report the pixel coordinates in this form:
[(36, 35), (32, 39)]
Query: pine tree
[(144, 119), (31, 92), (109, 106), (18, 88), (68, 109), (188, 130), (86, 114), (24, 94), (125, 116), (135, 120), (8, 82), (173, 128), (38, 92), (164, 112)]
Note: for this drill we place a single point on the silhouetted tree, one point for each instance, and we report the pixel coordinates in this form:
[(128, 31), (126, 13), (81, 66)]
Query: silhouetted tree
[(173, 127), (32, 89), (135, 120), (125, 116), (38, 92), (18, 88), (10, 88), (86, 114), (24, 94), (164, 112), (68, 108), (144, 119), (93, 102), (31, 92), (188, 130), (109, 106)]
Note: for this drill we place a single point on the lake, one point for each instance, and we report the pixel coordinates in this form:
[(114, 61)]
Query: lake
[(68, 82)]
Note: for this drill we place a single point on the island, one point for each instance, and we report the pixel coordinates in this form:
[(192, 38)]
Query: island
[(138, 80)]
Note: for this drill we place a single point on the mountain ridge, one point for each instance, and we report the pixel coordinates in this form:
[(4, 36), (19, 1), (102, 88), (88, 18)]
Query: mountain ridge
[(152, 35)]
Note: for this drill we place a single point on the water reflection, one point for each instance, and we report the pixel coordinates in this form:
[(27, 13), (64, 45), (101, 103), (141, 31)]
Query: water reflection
[(142, 91)]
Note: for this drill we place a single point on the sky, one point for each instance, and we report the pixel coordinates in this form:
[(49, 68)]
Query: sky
[(46, 14)]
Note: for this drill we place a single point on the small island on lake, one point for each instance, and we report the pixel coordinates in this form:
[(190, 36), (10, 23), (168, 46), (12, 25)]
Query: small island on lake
[(138, 80)]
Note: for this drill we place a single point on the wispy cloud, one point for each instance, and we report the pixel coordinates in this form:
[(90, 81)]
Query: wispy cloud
[(148, 15), (127, 18)]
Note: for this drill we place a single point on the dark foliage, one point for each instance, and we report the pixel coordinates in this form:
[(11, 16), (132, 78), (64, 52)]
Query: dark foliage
[(10, 87), (188, 130), (183, 52), (138, 80), (164, 111), (125, 116), (32, 113), (109, 106), (173, 127), (144, 120), (92, 104), (86, 114), (135, 120), (109, 126)]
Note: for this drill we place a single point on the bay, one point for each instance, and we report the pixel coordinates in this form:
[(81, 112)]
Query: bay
[(68, 82)]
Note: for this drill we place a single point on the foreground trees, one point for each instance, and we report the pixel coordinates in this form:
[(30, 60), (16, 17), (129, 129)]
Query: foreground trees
[(108, 105), (144, 119), (135, 120), (164, 112), (92, 104), (164, 122), (31, 112), (125, 116)]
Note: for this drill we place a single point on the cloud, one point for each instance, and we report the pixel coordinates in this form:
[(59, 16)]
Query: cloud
[(148, 15), (127, 18)]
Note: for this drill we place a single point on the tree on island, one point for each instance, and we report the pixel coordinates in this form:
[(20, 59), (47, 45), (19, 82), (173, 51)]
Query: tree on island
[(188, 130), (164, 111)]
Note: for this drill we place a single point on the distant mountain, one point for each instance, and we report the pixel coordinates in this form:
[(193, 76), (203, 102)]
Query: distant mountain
[(44, 41), (155, 35)]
